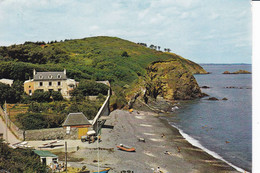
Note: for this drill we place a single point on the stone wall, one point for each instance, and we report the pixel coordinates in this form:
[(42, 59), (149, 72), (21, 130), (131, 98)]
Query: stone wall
[(50, 134)]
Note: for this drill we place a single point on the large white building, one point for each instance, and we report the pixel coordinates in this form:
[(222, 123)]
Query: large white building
[(50, 81)]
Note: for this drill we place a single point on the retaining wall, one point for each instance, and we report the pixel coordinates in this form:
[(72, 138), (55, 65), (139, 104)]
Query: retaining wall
[(50, 134)]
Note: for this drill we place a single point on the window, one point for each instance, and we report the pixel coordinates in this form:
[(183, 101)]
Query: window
[(50, 76), (40, 76), (58, 76), (71, 85), (50, 83), (40, 84), (29, 86), (30, 92), (68, 130), (59, 83)]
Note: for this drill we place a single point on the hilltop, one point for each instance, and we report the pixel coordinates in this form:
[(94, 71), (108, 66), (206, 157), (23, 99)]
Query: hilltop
[(122, 62)]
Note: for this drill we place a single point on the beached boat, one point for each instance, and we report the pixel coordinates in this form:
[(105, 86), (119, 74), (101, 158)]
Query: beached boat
[(103, 171), (125, 148)]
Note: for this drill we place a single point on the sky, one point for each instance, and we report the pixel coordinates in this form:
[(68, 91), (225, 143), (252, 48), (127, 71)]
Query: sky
[(215, 31)]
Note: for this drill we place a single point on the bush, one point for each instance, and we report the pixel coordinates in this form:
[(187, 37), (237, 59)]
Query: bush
[(56, 96), (19, 160), (124, 54), (89, 88), (32, 121), (11, 94), (46, 96)]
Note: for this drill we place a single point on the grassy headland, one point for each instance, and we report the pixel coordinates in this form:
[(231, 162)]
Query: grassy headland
[(122, 62)]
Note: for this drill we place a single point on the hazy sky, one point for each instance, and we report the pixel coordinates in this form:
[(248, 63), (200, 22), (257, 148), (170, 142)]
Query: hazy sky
[(204, 31)]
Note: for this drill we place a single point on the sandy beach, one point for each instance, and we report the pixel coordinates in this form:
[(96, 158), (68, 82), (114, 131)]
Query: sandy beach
[(164, 147)]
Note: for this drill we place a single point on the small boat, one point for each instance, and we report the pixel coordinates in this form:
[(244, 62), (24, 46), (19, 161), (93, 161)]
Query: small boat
[(126, 148), (51, 144), (102, 171)]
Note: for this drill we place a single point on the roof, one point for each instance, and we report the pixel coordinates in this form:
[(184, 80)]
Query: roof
[(59, 75), (104, 82), (74, 119), (7, 81), (44, 153)]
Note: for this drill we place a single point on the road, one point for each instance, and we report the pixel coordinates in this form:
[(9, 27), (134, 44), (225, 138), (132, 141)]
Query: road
[(10, 137)]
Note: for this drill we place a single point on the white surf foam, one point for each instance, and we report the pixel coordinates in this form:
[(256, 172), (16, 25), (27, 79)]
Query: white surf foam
[(196, 143)]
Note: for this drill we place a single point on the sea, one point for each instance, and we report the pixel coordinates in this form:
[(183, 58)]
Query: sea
[(222, 128)]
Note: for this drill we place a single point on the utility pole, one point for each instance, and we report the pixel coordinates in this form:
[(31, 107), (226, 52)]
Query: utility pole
[(6, 126), (98, 146), (66, 156)]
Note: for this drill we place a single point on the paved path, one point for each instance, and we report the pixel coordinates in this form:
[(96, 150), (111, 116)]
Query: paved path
[(10, 137)]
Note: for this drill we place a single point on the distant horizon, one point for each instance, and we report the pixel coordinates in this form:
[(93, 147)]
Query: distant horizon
[(224, 63)]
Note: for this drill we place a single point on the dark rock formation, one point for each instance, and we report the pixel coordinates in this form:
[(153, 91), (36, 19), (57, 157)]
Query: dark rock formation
[(237, 72), (224, 98), (205, 87), (213, 98)]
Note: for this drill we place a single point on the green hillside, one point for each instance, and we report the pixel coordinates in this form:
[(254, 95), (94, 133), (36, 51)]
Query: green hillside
[(122, 62), (98, 58)]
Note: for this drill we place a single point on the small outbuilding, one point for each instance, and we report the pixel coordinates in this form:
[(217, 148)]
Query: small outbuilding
[(47, 158), (7, 81), (79, 121)]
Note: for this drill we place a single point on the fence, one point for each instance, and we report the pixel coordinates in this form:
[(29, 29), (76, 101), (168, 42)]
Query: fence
[(12, 127)]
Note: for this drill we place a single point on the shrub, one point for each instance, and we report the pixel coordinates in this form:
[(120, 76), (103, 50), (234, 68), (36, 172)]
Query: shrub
[(32, 121), (88, 88), (19, 160), (41, 96), (56, 96), (124, 54)]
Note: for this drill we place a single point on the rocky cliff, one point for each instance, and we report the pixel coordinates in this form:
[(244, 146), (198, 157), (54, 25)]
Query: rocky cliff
[(173, 80)]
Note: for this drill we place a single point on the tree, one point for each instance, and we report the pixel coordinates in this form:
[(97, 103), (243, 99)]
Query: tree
[(41, 96), (124, 54), (152, 46), (88, 88), (10, 94), (4, 90), (32, 121), (19, 160), (56, 96)]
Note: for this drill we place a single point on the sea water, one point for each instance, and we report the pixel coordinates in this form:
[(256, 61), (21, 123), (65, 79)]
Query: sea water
[(224, 127)]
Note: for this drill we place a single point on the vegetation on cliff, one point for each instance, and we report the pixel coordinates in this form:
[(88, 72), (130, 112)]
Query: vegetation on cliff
[(172, 81)]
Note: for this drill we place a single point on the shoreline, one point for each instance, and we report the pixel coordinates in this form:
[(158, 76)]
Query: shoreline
[(164, 147), (183, 157), (197, 144)]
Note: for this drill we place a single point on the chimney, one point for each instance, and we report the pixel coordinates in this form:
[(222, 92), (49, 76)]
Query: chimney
[(34, 72), (64, 71)]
